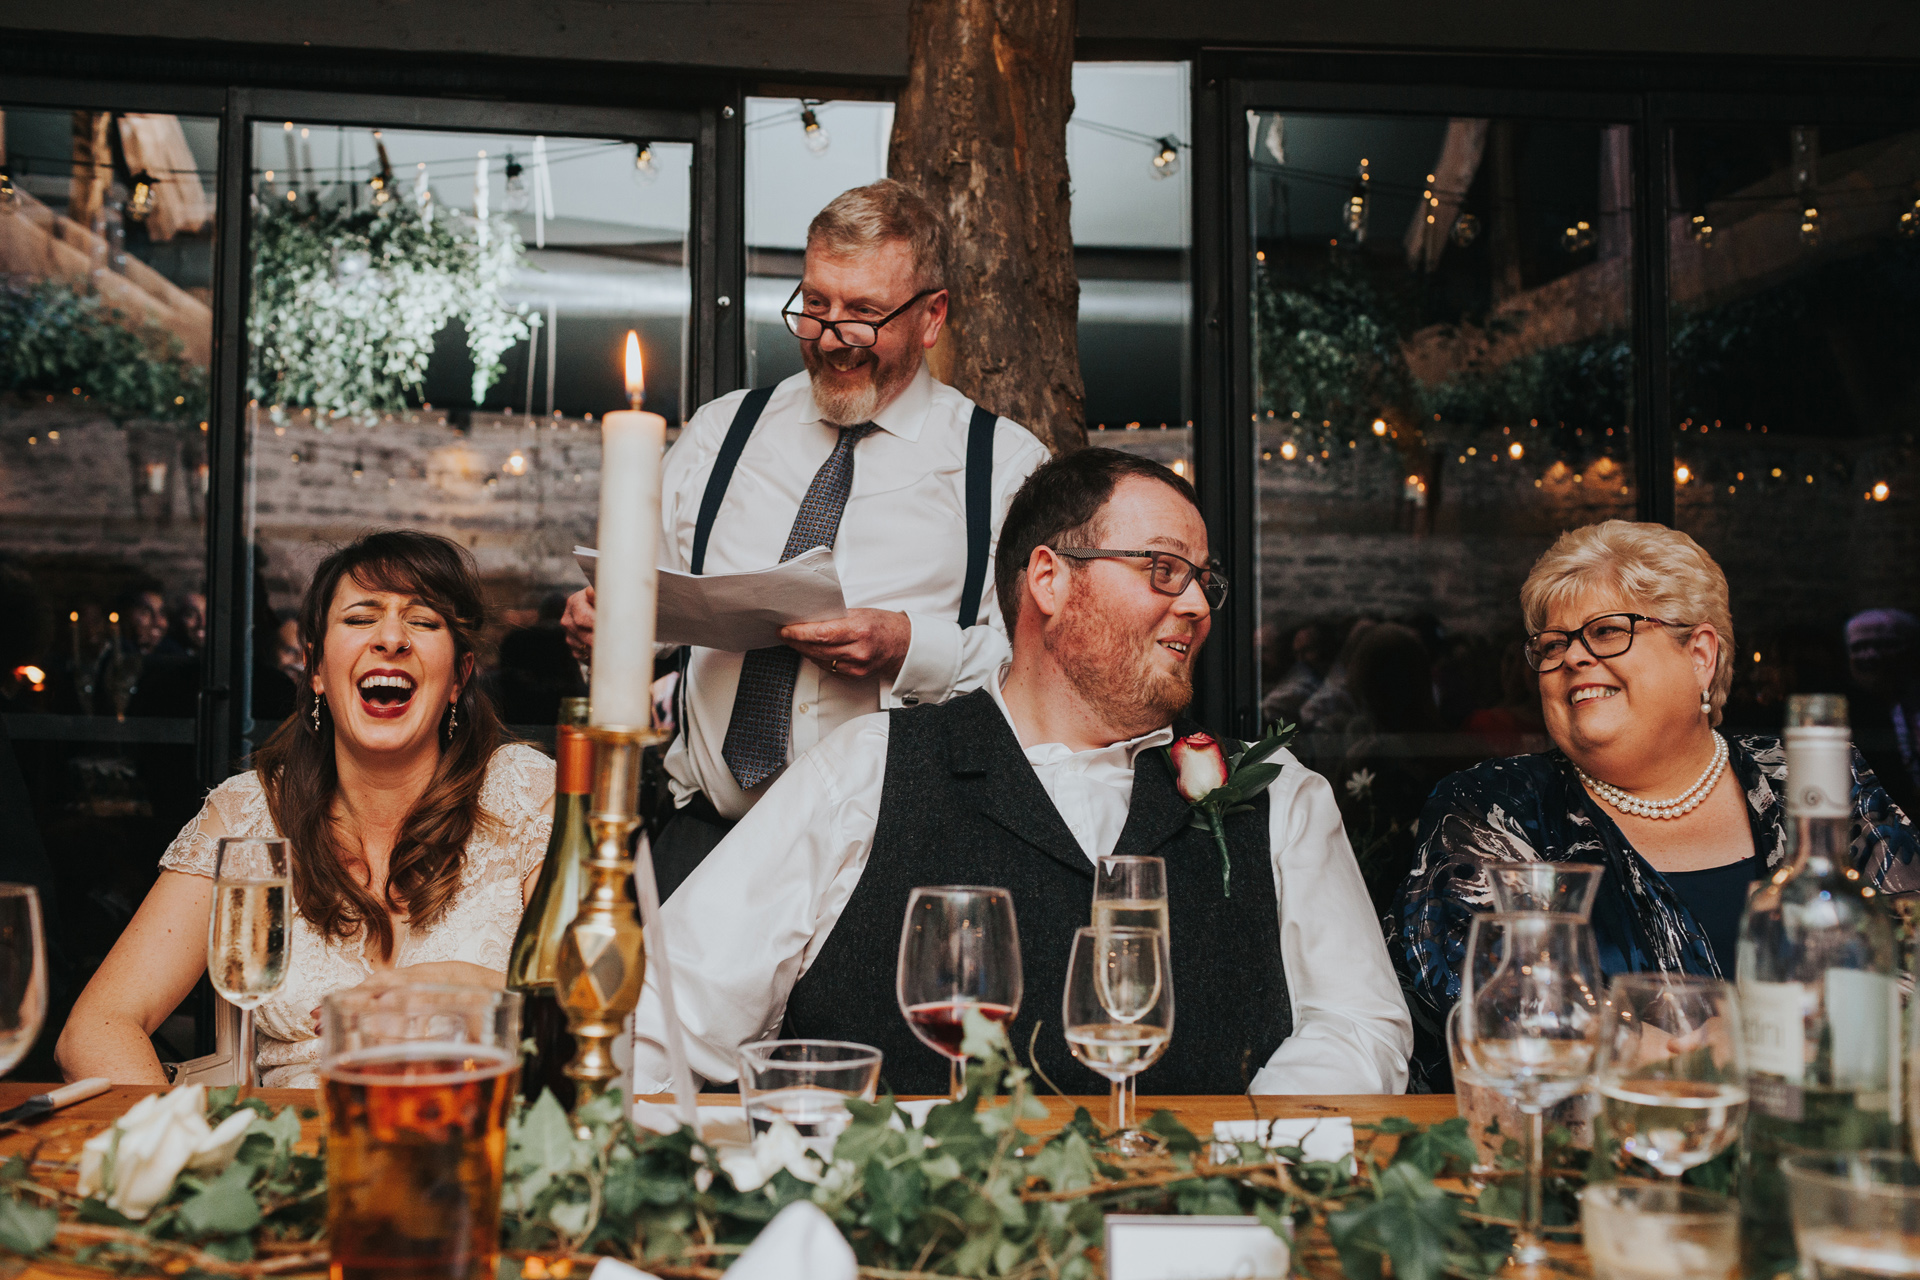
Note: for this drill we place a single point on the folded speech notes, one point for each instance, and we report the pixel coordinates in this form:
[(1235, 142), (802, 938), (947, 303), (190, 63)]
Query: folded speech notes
[(740, 612)]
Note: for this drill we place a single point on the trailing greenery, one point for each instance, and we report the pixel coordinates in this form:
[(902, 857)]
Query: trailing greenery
[(970, 1192), (347, 302), (53, 340)]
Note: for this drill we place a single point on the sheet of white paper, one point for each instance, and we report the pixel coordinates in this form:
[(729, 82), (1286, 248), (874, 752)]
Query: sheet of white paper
[(740, 612), (1321, 1138), (1152, 1247)]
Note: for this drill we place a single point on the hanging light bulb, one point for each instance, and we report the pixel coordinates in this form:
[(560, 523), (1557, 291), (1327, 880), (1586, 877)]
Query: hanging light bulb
[(1355, 213), (1289, 450), (140, 202), (1516, 451), (1379, 426), (1577, 237), (9, 195), (1166, 157), (644, 169), (382, 182), (1466, 229), (518, 197), (818, 139), (1701, 231), (1909, 224), (1682, 474)]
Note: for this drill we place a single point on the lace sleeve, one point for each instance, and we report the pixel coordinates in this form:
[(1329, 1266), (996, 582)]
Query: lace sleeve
[(519, 784), (237, 807)]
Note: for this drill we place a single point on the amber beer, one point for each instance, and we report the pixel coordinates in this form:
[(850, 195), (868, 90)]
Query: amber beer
[(417, 1095)]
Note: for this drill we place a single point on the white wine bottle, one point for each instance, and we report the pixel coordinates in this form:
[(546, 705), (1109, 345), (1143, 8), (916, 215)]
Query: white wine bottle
[(1819, 1004), (551, 908)]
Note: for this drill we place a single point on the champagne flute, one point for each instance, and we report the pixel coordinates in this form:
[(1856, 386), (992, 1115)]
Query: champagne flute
[(1131, 890), (959, 951), (247, 934), (23, 973), (1118, 1005), (1672, 1068), (1532, 1026)]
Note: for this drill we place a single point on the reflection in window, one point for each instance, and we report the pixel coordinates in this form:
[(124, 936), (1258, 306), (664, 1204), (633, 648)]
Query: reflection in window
[(106, 253), (1441, 368), (1796, 391), (436, 321)]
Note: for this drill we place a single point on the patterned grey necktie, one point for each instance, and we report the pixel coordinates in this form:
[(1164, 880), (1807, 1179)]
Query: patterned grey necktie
[(756, 744)]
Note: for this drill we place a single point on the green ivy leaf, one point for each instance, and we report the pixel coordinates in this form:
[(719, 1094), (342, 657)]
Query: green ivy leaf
[(1165, 1126), (223, 1207), (25, 1228)]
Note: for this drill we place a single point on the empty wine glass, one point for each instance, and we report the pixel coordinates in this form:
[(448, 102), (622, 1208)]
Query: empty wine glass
[(1672, 1068), (1545, 886), (1532, 1026), (247, 936), (959, 950), (1118, 1006), (23, 973), (1131, 890)]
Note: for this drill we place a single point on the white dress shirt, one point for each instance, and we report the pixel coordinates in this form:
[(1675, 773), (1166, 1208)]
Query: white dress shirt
[(902, 546), (744, 927)]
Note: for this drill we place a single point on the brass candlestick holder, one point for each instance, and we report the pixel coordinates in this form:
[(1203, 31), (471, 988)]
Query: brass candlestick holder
[(602, 960)]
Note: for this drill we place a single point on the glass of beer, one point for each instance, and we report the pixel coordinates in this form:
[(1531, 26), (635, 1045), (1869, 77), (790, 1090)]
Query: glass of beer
[(417, 1082)]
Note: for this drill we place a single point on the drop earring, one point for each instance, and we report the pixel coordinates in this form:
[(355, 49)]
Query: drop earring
[(317, 700), (1706, 703), (453, 719)]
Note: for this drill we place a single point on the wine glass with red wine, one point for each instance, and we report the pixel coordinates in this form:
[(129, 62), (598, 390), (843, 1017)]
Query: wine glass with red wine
[(959, 950)]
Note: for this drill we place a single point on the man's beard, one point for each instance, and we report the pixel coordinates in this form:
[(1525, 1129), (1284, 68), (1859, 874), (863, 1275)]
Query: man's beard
[(849, 405), (1113, 668)]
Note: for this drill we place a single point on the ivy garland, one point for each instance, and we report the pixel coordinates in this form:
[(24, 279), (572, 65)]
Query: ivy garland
[(347, 302), (54, 340)]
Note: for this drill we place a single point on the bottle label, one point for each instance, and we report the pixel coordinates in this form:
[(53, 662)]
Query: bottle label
[(1819, 772), (1858, 1002), (1777, 1098), (574, 750), (1773, 1019)]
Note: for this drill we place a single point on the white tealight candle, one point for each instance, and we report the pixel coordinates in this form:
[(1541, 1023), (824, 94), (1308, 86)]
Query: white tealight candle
[(625, 579)]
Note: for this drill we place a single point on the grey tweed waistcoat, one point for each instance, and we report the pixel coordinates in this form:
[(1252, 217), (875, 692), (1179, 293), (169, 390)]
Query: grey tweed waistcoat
[(961, 805)]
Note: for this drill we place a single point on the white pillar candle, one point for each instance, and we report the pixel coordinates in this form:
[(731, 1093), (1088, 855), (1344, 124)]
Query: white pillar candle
[(625, 579)]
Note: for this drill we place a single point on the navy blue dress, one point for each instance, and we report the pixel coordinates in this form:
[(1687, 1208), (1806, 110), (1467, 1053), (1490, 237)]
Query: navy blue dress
[(1533, 807)]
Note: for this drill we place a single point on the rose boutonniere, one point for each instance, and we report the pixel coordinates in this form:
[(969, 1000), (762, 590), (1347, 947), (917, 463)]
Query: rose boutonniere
[(1217, 782)]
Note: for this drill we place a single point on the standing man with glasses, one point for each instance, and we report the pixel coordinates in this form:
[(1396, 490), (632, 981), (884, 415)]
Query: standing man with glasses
[(867, 453), (1108, 592)]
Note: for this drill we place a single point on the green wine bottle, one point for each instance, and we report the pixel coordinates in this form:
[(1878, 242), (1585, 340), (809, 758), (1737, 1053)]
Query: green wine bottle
[(551, 908), (1818, 1001)]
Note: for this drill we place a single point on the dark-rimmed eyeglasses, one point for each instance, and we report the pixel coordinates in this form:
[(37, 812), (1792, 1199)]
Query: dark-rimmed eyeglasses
[(854, 333), (1607, 636), (1168, 573)]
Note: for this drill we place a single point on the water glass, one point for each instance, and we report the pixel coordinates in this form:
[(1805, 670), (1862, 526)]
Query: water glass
[(1531, 1026), (1672, 1069), (1492, 1117), (416, 1083), (1659, 1231), (806, 1083), (959, 952), (1855, 1214), (23, 973), (1118, 1006), (1568, 887)]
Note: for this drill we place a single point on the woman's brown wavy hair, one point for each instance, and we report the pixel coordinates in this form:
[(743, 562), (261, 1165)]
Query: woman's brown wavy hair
[(297, 769)]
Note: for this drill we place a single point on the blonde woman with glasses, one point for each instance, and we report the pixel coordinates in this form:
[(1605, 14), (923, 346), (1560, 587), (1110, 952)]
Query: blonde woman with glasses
[(1629, 629)]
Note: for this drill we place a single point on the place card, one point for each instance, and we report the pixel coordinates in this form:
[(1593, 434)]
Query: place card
[(1321, 1138), (1154, 1247)]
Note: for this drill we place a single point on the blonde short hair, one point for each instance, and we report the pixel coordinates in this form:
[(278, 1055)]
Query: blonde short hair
[(1659, 569), (863, 219)]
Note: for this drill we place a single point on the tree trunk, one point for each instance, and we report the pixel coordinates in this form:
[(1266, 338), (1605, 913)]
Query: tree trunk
[(981, 131)]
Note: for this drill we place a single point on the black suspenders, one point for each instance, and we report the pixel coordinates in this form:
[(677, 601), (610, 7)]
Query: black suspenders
[(979, 494)]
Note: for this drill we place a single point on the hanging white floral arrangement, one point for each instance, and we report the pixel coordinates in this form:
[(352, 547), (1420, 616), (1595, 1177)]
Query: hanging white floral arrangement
[(346, 302)]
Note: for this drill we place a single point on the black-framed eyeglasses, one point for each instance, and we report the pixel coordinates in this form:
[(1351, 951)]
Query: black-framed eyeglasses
[(854, 333), (1168, 573), (1607, 636)]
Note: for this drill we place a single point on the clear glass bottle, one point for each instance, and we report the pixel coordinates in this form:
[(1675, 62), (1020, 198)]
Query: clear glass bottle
[(1819, 1001), (551, 908)]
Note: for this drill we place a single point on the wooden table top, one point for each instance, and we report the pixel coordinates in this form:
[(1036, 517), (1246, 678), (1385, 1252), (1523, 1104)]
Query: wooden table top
[(59, 1136)]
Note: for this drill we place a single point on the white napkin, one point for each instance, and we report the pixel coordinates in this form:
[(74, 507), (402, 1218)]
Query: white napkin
[(801, 1243), (1320, 1138)]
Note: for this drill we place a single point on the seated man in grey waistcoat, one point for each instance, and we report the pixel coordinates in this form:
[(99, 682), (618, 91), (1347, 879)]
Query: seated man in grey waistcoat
[(792, 926)]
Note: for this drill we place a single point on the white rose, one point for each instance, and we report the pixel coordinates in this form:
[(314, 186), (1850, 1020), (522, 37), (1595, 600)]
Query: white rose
[(132, 1163)]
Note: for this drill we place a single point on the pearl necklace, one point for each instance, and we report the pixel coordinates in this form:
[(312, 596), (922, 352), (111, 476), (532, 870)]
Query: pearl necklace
[(1689, 800)]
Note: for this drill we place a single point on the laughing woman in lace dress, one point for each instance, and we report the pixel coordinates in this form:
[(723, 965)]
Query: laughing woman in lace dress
[(1629, 628), (415, 834)]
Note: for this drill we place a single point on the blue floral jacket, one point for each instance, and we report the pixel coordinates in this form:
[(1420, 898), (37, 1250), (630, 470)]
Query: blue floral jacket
[(1532, 807)]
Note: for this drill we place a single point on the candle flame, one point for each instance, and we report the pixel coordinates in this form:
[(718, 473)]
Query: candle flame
[(636, 372)]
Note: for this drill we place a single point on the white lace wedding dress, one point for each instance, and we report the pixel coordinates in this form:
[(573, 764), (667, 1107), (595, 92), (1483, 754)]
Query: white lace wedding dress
[(478, 925)]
